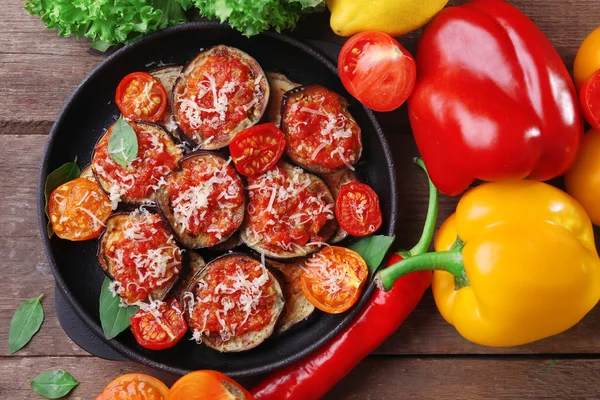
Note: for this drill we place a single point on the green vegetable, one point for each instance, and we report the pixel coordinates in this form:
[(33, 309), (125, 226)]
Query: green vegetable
[(25, 323), (53, 384), (122, 143), (254, 16), (373, 249), (113, 318), (63, 174), (107, 22)]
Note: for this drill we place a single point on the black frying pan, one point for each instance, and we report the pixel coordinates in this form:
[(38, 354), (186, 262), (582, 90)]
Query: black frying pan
[(91, 109)]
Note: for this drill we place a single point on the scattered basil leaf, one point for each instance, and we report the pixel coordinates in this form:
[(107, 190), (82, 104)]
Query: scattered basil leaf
[(373, 250), (63, 174), (122, 143), (25, 323), (53, 384), (113, 318)]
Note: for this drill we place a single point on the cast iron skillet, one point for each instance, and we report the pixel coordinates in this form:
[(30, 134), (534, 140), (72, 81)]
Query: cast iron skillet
[(91, 109)]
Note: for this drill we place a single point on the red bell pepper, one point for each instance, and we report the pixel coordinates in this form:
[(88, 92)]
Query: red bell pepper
[(313, 376), (493, 100)]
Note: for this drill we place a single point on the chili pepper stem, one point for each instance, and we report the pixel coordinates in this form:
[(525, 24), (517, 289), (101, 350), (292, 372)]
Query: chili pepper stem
[(449, 261), (432, 211)]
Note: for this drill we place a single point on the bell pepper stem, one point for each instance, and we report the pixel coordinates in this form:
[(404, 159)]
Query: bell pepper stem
[(432, 211), (449, 261)]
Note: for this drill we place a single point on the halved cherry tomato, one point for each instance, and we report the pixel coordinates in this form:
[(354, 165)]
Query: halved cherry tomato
[(141, 97), (333, 279), (78, 210), (257, 149), (206, 384), (357, 209), (134, 387), (589, 97), (158, 333), (377, 70)]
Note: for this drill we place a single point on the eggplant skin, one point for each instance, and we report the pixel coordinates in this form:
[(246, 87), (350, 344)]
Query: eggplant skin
[(297, 307), (186, 238), (317, 186), (256, 112), (294, 95), (248, 340), (279, 84), (114, 231), (335, 182), (195, 265), (167, 75)]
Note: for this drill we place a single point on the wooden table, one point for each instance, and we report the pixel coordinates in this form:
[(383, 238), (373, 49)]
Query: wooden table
[(425, 359)]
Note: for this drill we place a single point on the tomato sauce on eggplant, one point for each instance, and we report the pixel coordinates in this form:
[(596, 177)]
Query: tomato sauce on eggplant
[(157, 156), (321, 134)]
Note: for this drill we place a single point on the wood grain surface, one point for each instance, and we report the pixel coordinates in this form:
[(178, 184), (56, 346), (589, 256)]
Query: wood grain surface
[(425, 359)]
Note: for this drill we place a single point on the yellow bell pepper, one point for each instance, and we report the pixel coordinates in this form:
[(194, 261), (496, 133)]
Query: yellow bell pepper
[(516, 263)]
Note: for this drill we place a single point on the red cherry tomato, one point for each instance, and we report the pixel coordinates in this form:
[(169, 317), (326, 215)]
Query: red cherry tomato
[(357, 209), (158, 332), (257, 149), (141, 97), (589, 97), (377, 70)]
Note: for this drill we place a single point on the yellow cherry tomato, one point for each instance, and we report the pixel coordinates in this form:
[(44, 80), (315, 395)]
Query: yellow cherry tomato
[(587, 60)]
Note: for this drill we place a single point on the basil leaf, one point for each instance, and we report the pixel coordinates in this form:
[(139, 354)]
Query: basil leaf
[(122, 143), (63, 174), (373, 250), (53, 384), (113, 318), (25, 323)]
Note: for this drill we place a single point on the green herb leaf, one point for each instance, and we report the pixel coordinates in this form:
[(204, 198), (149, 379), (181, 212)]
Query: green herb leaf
[(113, 318), (122, 143), (63, 174), (373, 250), (25, 323), (53, 384)]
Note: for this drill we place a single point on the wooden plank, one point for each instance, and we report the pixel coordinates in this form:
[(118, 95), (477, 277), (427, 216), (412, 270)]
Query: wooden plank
[(376, 378)]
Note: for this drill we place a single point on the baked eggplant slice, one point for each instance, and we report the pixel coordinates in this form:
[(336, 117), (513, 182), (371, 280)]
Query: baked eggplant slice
[(297, 307), (322, 136), (203, 201), (233, 304), (290, 213), (136, 184), (233, 242), (195, 264), (140, 255), (167, 75), (335, 181), (279, 84), (221, 92)]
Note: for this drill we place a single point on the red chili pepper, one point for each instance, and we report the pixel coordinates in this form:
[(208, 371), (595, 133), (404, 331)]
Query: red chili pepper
[(493, 99), (313, 376)]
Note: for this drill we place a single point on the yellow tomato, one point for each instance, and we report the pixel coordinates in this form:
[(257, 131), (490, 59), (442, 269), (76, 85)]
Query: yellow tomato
[(587, 60)]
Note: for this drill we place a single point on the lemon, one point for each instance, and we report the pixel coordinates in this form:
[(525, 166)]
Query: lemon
[(395, 17)]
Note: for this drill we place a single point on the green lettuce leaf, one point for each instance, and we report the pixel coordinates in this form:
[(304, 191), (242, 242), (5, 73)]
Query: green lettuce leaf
[(107, 22)]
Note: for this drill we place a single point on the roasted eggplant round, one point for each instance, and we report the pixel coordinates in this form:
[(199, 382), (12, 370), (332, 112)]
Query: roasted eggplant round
[(233, 304), (87, 173), (279, 84), (136, 183), (167, 75), (221, 92), (290, 213), (297, 307), (335, 181), (203, 201), (139, 253), (322, 136)]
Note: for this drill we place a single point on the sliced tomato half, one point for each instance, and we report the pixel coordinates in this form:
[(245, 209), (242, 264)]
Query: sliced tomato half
[(141, 97), (357, 209), (377, 70), (257, 149), (78, 210), (134, 387), (160, 329), (589, 97), (332, 279)]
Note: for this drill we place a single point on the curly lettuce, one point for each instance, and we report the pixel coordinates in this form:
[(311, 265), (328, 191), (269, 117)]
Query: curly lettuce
[(107, 22), (254, 16)]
